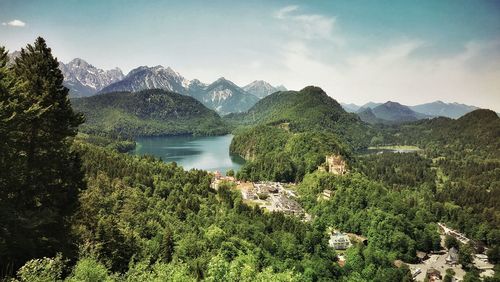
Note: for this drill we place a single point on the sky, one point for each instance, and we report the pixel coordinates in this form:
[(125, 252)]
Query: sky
[(357, 51)]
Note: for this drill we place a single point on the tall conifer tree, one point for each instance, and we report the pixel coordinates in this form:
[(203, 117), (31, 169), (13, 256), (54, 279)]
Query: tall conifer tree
[(47, 176)]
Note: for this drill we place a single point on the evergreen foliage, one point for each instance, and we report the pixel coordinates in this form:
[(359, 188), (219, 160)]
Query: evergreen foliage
[(40, 175)]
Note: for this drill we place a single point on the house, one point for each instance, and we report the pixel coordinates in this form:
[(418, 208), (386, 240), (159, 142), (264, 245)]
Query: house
[(339, 241), (482, 257), (452, 257), (433, 274), (336, 164)]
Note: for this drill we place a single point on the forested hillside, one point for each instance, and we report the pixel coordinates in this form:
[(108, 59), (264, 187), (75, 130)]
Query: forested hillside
[(146, 113), (288, 134)]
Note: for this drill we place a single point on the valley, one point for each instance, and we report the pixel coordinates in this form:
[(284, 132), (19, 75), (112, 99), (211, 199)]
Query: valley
[(222, 173)]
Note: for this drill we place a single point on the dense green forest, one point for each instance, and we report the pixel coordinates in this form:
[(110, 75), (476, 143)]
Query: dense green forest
[(288, 134), (74, 208), (147, 113)]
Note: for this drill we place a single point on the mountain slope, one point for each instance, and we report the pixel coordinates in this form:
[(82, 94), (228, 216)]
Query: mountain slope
[(393, 112), (439, 108), (144, 77), (289, 133), (309, 109), (371, 105), (222, 95), (350, 108), (83, 79), (225, 97), (262, 89), (146, 113), (477, 132), (367, 115)]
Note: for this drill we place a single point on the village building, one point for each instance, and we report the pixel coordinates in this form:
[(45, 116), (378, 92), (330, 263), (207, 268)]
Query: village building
[(482, 257), (452, 258), (336, 164), (339, 241)]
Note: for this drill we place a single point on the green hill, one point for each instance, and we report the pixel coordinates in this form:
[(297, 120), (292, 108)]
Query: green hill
[(288, 134), (477, 131), (309, 109), (147, 113)]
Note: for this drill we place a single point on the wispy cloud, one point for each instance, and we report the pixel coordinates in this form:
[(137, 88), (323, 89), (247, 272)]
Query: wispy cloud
[(283, 12), (306, 26), (14, 23)]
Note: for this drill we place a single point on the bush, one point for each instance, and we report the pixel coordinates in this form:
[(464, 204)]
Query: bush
[(41, 270), (88, 269)]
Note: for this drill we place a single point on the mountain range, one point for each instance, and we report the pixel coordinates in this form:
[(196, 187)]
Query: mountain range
[(391, 111), (222, 95), (439, 108), (261, 89), (83, 79)]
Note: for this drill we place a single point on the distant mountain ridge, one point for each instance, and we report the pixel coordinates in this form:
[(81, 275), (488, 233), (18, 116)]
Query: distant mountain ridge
[(83, 79), (394, 112), (144, 77), (439, 108), (226, 97), (221, 95), (262, 89), (350, 108), (435, 109)]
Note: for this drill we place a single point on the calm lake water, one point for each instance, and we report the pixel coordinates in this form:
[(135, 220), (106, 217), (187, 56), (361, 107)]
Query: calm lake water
[(208, 153)]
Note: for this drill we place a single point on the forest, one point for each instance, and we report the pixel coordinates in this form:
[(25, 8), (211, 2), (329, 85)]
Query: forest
[(74, 207)]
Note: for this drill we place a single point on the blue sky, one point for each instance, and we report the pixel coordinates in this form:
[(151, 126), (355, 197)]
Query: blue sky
[(357, 51)]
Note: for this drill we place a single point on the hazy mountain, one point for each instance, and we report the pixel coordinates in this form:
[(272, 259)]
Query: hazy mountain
[(439, 108), (394, 112), (371, 105), (224, 96), (83, 79), (148, 112), (144, 77), (350, 108), (367, 115), (261, 88)]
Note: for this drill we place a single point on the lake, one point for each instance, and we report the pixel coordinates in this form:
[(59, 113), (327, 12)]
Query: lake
[(208, 153)]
